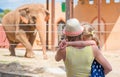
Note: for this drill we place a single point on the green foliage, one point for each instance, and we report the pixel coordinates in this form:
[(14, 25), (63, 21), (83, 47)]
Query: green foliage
[(4, 12), (1, 15)]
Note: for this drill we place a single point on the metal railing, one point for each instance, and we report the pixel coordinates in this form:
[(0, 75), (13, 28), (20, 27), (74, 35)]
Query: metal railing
[(60, 32)]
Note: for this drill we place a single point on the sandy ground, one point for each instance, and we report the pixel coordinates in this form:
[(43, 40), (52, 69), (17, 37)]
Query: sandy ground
[(43, 68)]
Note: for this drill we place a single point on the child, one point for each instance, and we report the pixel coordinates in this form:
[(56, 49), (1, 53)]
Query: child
[(78, 60), (89, 34)]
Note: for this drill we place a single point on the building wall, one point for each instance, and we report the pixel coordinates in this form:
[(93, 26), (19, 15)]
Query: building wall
[(3, 39), (109, 13)]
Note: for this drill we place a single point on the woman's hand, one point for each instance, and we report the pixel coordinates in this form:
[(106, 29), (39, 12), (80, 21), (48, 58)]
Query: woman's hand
[(63, 44)]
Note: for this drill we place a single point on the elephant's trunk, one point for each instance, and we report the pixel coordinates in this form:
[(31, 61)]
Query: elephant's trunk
[(41, 28)]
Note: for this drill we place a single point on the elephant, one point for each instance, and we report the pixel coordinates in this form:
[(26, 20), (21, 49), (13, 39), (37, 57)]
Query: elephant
[(20, 26)]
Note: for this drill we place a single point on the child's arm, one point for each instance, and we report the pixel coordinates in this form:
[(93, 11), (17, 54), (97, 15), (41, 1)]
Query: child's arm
[(64, 43), (81, 43), (102, 60)]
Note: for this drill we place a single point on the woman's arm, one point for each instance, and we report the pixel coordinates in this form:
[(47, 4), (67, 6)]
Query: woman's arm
[(102, 60), (60, 54)]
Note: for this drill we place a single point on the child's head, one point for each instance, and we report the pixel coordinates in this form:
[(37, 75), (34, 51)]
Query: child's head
[(73, 30), (89, 33)]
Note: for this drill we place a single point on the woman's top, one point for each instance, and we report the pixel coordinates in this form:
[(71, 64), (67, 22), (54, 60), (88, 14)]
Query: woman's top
[(78, 61)]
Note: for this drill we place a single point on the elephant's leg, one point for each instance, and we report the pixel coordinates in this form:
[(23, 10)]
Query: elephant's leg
[(22, 37), (32, 37), (12, 48)]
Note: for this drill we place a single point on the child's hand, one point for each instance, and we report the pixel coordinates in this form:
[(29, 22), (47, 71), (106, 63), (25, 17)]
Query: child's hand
[(62, 44), (92, 42)]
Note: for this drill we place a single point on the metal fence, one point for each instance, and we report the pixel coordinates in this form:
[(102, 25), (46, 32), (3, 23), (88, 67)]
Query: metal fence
[(60, 35)]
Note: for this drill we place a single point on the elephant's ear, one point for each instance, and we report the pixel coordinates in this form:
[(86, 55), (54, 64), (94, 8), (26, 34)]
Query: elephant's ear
[(47, 15), (24, 15), (47, 12)]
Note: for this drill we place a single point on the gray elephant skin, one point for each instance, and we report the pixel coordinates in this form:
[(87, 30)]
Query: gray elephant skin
[(20, 26)]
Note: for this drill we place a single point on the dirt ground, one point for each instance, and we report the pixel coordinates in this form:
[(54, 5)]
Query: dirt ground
[(38, 67)]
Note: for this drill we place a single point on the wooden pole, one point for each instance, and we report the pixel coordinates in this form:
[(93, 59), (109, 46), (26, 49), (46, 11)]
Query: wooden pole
[(99, 17), (67, 9), (53, 23), (72, 8), (47, 7)]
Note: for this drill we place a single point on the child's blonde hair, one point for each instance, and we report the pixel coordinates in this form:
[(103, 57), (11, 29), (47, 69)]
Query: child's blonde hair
[(89, 32)]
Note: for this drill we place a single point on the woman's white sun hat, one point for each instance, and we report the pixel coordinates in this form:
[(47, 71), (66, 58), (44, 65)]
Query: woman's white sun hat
[(73, 28)]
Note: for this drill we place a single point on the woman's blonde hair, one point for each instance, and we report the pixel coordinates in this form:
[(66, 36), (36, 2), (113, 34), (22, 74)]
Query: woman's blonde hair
[(89, 32)]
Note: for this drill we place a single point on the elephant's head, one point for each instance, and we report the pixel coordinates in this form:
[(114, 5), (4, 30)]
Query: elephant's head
[(36, 14), (29, 16)]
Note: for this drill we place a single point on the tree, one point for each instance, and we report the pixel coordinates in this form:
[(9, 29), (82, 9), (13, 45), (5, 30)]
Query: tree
[(6, 11), (3, 13)]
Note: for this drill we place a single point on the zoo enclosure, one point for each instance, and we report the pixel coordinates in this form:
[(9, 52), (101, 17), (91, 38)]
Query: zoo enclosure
[(106, 27)]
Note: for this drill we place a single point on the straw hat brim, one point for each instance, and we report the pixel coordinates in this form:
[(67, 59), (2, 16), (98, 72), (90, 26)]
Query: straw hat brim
[(75, 33)]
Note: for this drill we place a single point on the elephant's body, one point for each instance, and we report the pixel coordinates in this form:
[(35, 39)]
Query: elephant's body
[(20, 25), (9, 26)]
